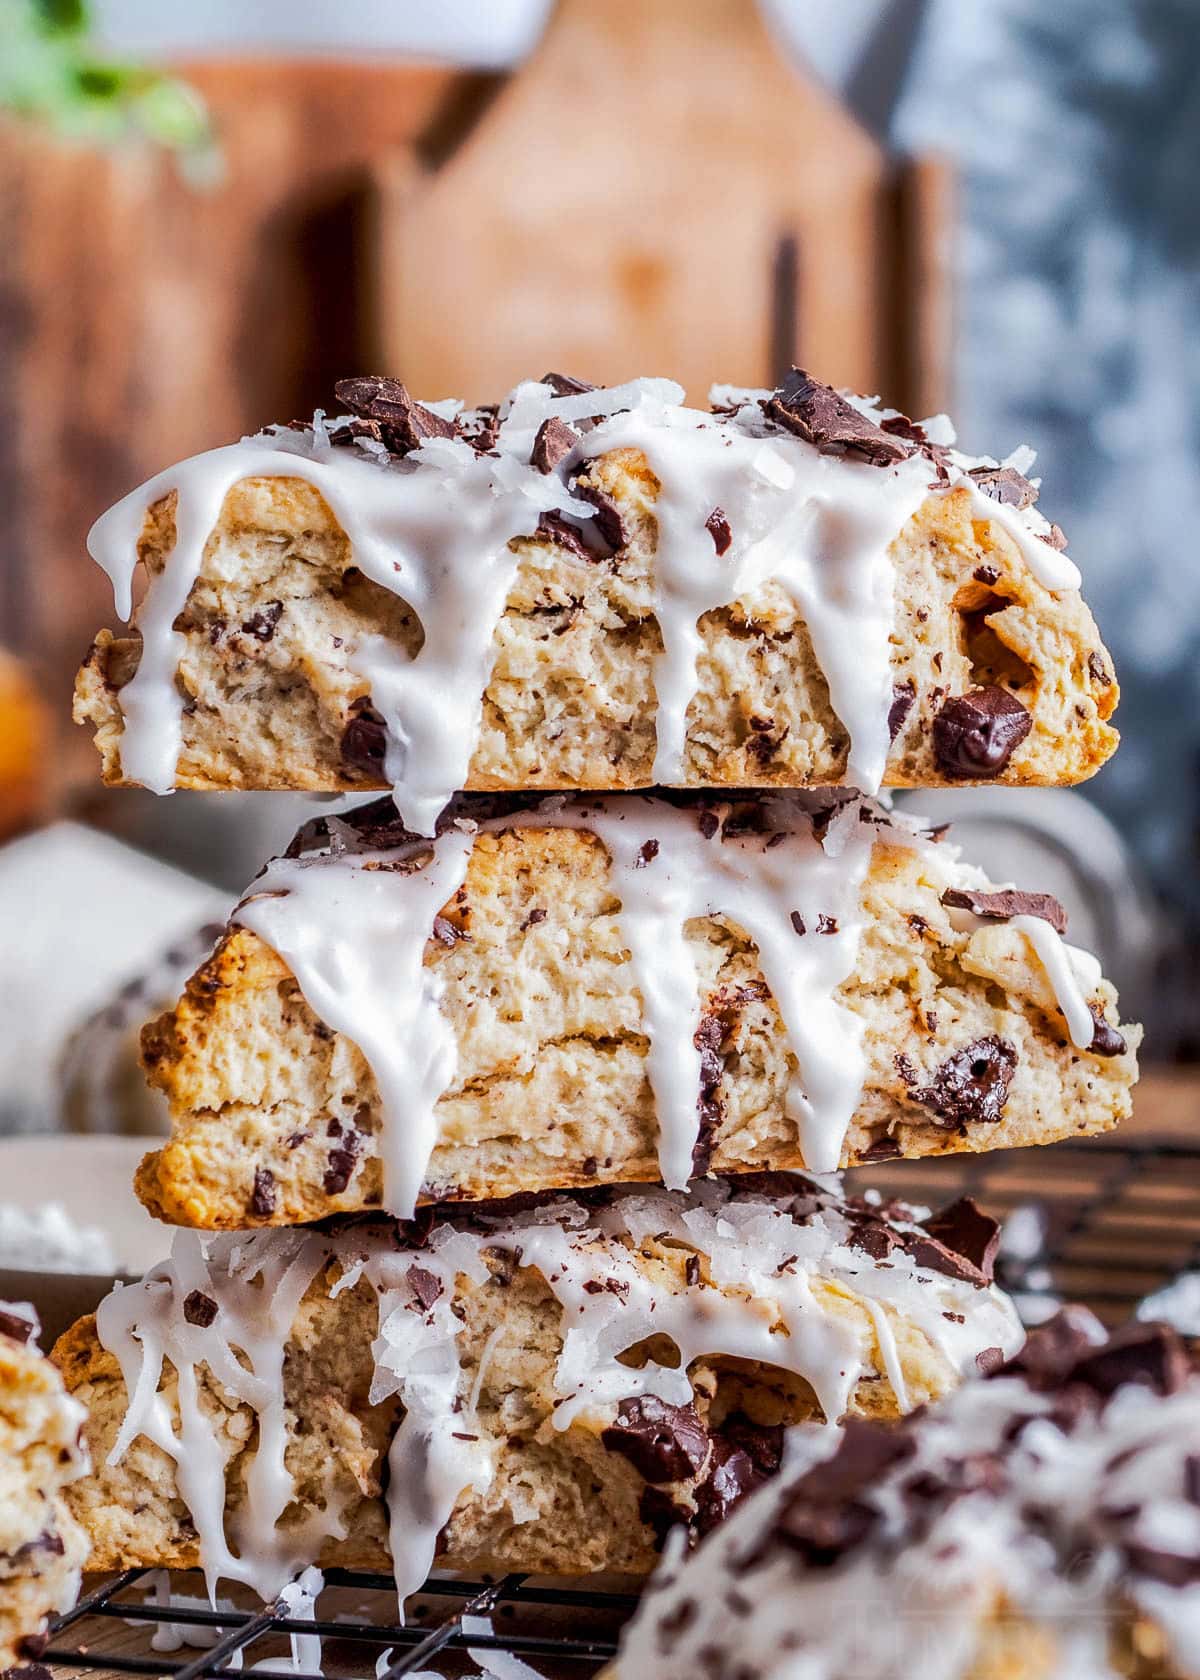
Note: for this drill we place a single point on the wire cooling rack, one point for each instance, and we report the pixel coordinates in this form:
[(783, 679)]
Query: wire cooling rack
[(1102, 1223)]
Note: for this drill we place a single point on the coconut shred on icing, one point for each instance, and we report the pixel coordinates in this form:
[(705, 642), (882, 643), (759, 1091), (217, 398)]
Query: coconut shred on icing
[(435, 526), (772, 1288), (353, 925)]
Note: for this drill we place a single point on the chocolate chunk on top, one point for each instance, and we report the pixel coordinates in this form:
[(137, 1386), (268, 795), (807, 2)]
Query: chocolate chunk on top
[(554, 440), (972, 1085), (404, 424), (975, 734), (969, 1232), (15, 1327), (564, 385), (1000, 906), (426, 1287), (664, 1443), (717, 526), (1005, 484), (822, 416), (199, 1309)]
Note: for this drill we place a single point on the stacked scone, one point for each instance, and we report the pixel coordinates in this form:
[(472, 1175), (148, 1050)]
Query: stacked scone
[(504, 1091)]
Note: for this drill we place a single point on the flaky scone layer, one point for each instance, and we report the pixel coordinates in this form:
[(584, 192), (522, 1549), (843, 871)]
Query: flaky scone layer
[(493, 1309), (42, 1547), (552, 1087), (271, 700)]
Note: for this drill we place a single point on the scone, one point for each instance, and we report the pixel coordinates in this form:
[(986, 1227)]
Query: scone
[(633, 988), (42, 1547), (1042, 1523), (594, 589), (546, 1386)]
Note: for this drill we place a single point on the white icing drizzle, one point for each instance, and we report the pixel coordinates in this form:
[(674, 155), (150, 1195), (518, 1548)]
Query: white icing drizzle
[(435, 526), (352, 928), (775, 1289), (934, 1582)]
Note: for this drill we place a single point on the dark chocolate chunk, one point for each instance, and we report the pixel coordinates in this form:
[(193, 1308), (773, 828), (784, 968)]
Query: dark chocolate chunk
[(1106, 1040), (827, 924), (971, 1086), (480, 428), (554, 440), (1098, 670), (449, 933), (199, 1309), (564, 385), (884, 1148), (364, 739), (536, 915), (349, 430), (340, 1163), (261, 625), (709, 1037), (691, 1276), (1055, 538), (825, 1515), (663, 1443), (557, 528), (404, 424), (1052, 1350), (607, 519), (966, 1230), (426, 1286), (708, 823), (797, 921), (976, 734), (873, 1236), (744, 1456), (999, 906), (1172, 1569), (899, 425), (1151, 1355), (1004, 484), (16, 1328), (821, 416), (1191, 1479), (989, 1360), (986, 574), (646, 854), (717, 526), (607, 1286), (262, 1202), (660, 1512), (903, 695)]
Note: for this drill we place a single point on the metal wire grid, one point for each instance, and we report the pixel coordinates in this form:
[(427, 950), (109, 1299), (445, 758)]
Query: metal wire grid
[(1118, 1221)]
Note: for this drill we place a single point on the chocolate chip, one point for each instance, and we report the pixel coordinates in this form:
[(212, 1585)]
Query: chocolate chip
[(717, 526), (607, 1286), (364, 739), (821, 416), (903, 695), (691, 1275), (1004, 484), (1051, 1352), (554, 440), (663, 1443), (1098, 669), (555, 527), (827, 924), (480, 428), (884, 1148), (708, 823), (972, 1084), (426, 1286), (744, 1456), (199, 1309), (262, 1202), (296, 1139), (1150, 1355), (564, 385), (16, 1328), (999, 906), (536, 915), (1054, 538), (589, 1166), (899, 425), (967, 1231), (986, 574), (608, 519), (1106, 1040), (646, 854), (448, 933), (340, 1163), (824, 1516), (349, 430), (975, 734), (404, 424), (874, 1236), (261, 625), (708, 1038)]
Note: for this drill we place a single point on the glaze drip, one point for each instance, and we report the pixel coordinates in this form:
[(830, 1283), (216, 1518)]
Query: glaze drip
[(438, 527), (777, 1277)]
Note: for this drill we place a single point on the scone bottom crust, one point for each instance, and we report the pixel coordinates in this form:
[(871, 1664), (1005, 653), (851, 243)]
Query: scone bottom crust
[(595, 589)]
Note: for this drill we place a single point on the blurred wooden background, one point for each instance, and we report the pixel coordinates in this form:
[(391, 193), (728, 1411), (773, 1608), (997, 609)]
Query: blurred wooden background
[(656, 190)]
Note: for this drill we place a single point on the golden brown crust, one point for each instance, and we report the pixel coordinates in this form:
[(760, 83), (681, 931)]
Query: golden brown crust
[(254, 1080), (570, 703)]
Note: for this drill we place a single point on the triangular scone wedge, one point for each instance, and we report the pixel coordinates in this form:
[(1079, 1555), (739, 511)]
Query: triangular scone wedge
[(42, 1548), (583, 991), (498, 1386), (737, 599)]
